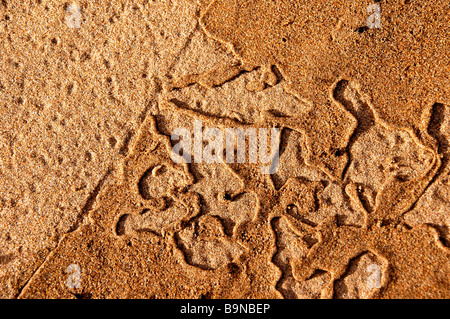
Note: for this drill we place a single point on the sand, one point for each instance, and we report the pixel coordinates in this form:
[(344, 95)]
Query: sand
[(93, 205)]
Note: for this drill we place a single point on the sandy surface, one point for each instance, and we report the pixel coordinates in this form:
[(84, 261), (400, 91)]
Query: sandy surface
[(92, 205)]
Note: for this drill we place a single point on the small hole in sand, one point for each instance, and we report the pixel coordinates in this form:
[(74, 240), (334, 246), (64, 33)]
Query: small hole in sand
[(362, 29)]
